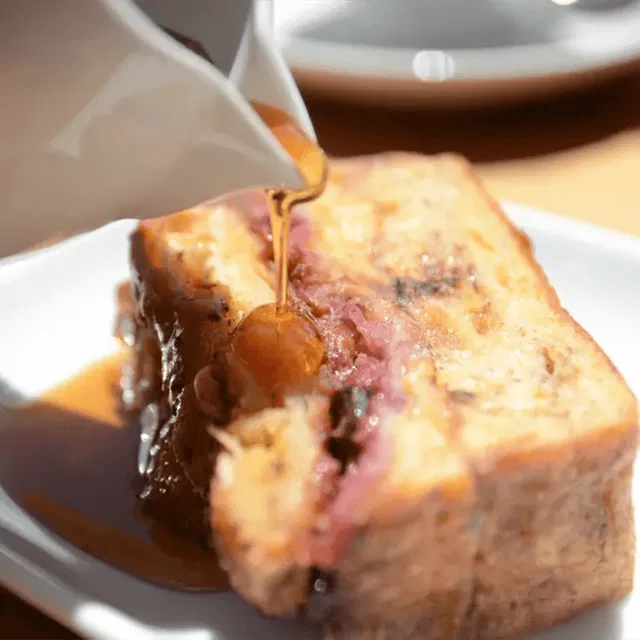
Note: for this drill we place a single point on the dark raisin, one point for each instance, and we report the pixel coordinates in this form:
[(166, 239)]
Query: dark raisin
[(321, 601), (461, 396), (344, 450), (187, 455), (347, 407), (406, 289), (401, 291), (549, 364)]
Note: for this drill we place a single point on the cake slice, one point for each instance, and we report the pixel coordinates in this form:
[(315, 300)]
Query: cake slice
[(461, 468)]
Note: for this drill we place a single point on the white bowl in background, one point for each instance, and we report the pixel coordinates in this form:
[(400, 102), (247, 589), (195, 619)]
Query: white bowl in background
[(453, 52)]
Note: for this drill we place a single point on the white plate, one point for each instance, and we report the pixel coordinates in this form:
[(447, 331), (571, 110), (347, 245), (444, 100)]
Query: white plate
[(453, 52), (57, 317)]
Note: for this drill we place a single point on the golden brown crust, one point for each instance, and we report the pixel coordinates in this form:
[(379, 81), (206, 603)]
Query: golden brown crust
[(553, 520), (181, 336), (504, 502), (182, 326), (270, 470)]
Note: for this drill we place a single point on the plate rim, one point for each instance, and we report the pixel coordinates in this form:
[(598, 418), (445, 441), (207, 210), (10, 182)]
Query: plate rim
[(571, 229)]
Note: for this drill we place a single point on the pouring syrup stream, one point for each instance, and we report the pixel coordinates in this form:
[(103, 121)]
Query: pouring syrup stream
[(312, 164), (77, 437), (279, 347)]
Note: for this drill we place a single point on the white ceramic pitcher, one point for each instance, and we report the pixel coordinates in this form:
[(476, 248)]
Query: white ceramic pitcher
[(104, 116)]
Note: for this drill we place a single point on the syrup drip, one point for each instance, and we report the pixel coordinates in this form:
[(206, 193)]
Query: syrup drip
[(70, 460), (278, 345), (312, 164)]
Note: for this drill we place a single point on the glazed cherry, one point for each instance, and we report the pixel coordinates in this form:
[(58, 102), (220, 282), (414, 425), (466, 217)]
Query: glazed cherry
[(281, 349)]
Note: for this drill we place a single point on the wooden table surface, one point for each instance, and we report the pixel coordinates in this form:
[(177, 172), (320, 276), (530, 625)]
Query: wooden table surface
[(578, 156)]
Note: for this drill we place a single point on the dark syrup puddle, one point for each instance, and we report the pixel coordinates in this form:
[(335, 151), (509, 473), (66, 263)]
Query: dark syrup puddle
[(76, 475)]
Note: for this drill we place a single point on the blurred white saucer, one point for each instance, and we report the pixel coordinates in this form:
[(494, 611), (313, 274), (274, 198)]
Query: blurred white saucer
[(454, 52)]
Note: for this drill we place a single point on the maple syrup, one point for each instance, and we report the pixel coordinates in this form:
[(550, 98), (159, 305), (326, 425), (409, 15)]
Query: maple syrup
[(70, 461), (280, 346)]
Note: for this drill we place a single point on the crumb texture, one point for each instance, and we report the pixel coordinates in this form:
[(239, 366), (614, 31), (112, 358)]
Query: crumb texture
[(462, 467)]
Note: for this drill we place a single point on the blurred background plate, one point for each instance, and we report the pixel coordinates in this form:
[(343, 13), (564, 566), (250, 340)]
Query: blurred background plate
[(456, 52)]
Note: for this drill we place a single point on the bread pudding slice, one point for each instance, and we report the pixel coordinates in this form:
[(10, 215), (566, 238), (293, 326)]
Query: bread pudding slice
[(461, 468)]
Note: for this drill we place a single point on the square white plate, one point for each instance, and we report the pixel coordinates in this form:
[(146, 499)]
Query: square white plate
[(56, 318)]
